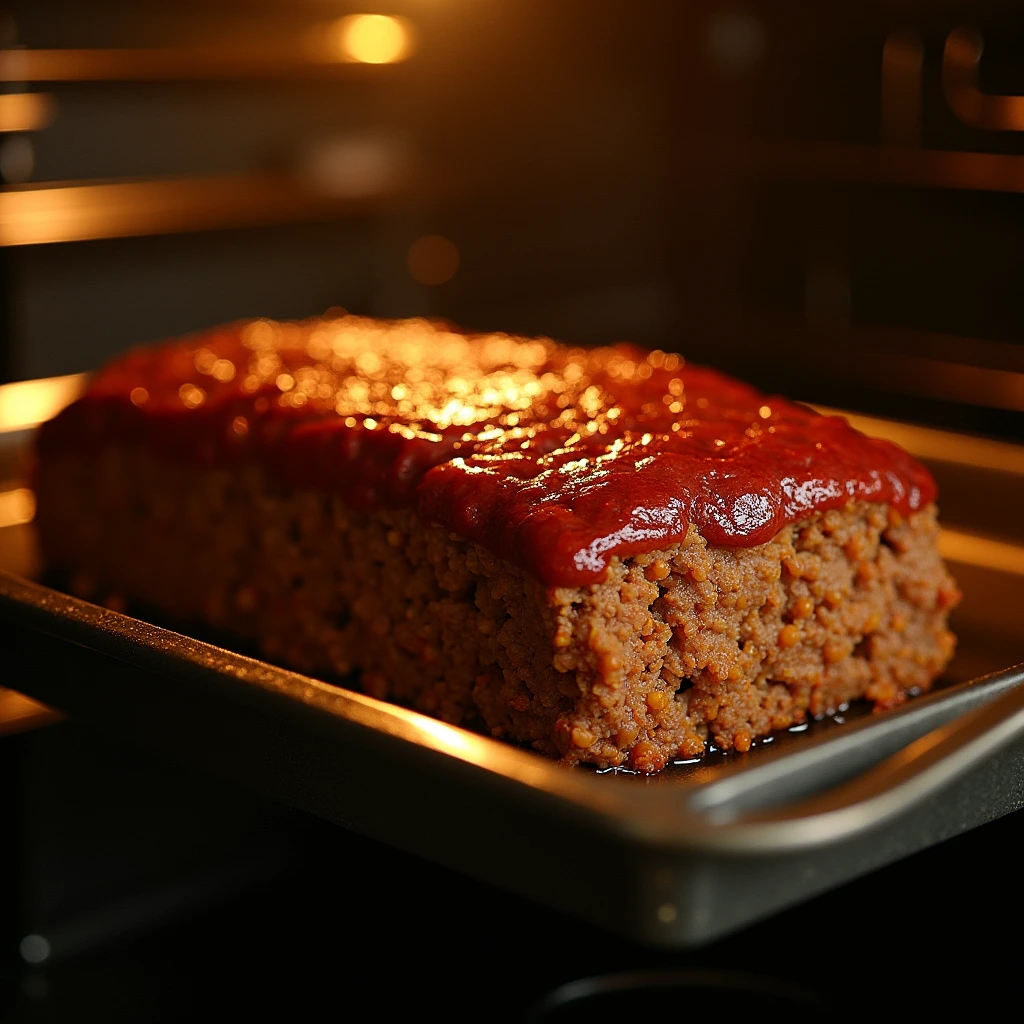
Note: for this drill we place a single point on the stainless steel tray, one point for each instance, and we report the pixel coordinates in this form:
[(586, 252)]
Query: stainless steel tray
[(672, 860)]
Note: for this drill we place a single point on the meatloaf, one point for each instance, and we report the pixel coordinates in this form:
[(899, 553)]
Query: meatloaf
[(611, 555)]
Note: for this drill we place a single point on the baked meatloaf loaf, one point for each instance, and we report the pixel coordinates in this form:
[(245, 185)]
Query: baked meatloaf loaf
[(611, 555)]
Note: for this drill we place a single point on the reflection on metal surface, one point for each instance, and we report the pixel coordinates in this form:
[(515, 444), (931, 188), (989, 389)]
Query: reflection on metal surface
[(26, 111), (983, 552), (30, 402), (658, 993), (19, 713), (960, 59), (454, 740), (77, 212), (17, 506), (925, 766), (902, 61), (941, 445), (221, 63)]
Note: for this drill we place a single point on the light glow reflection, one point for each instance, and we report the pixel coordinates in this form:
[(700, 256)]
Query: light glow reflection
[(28, 403), (371, 38), (17, 506)]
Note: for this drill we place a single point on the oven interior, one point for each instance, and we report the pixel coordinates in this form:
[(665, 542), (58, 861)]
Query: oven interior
[(823, 199)]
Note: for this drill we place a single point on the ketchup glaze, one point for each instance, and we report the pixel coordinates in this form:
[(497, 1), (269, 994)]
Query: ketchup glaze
[(555, 458)]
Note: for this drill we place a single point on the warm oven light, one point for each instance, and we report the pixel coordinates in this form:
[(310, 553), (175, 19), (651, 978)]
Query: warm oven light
[(364, 39), (17, 506), (28, 403)]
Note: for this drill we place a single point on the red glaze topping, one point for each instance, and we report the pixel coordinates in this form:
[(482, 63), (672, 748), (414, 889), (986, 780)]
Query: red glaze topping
[(555, 458)]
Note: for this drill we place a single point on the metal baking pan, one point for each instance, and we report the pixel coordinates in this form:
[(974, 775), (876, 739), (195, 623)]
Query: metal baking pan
[(673, 860)]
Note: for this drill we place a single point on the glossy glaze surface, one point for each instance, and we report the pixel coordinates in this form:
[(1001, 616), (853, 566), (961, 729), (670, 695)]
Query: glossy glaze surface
[(555, 458)]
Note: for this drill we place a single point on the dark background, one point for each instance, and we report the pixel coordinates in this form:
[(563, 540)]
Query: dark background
[(811, 195)]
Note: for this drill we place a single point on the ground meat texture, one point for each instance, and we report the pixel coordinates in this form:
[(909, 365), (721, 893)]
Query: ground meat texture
[(675, 650)]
